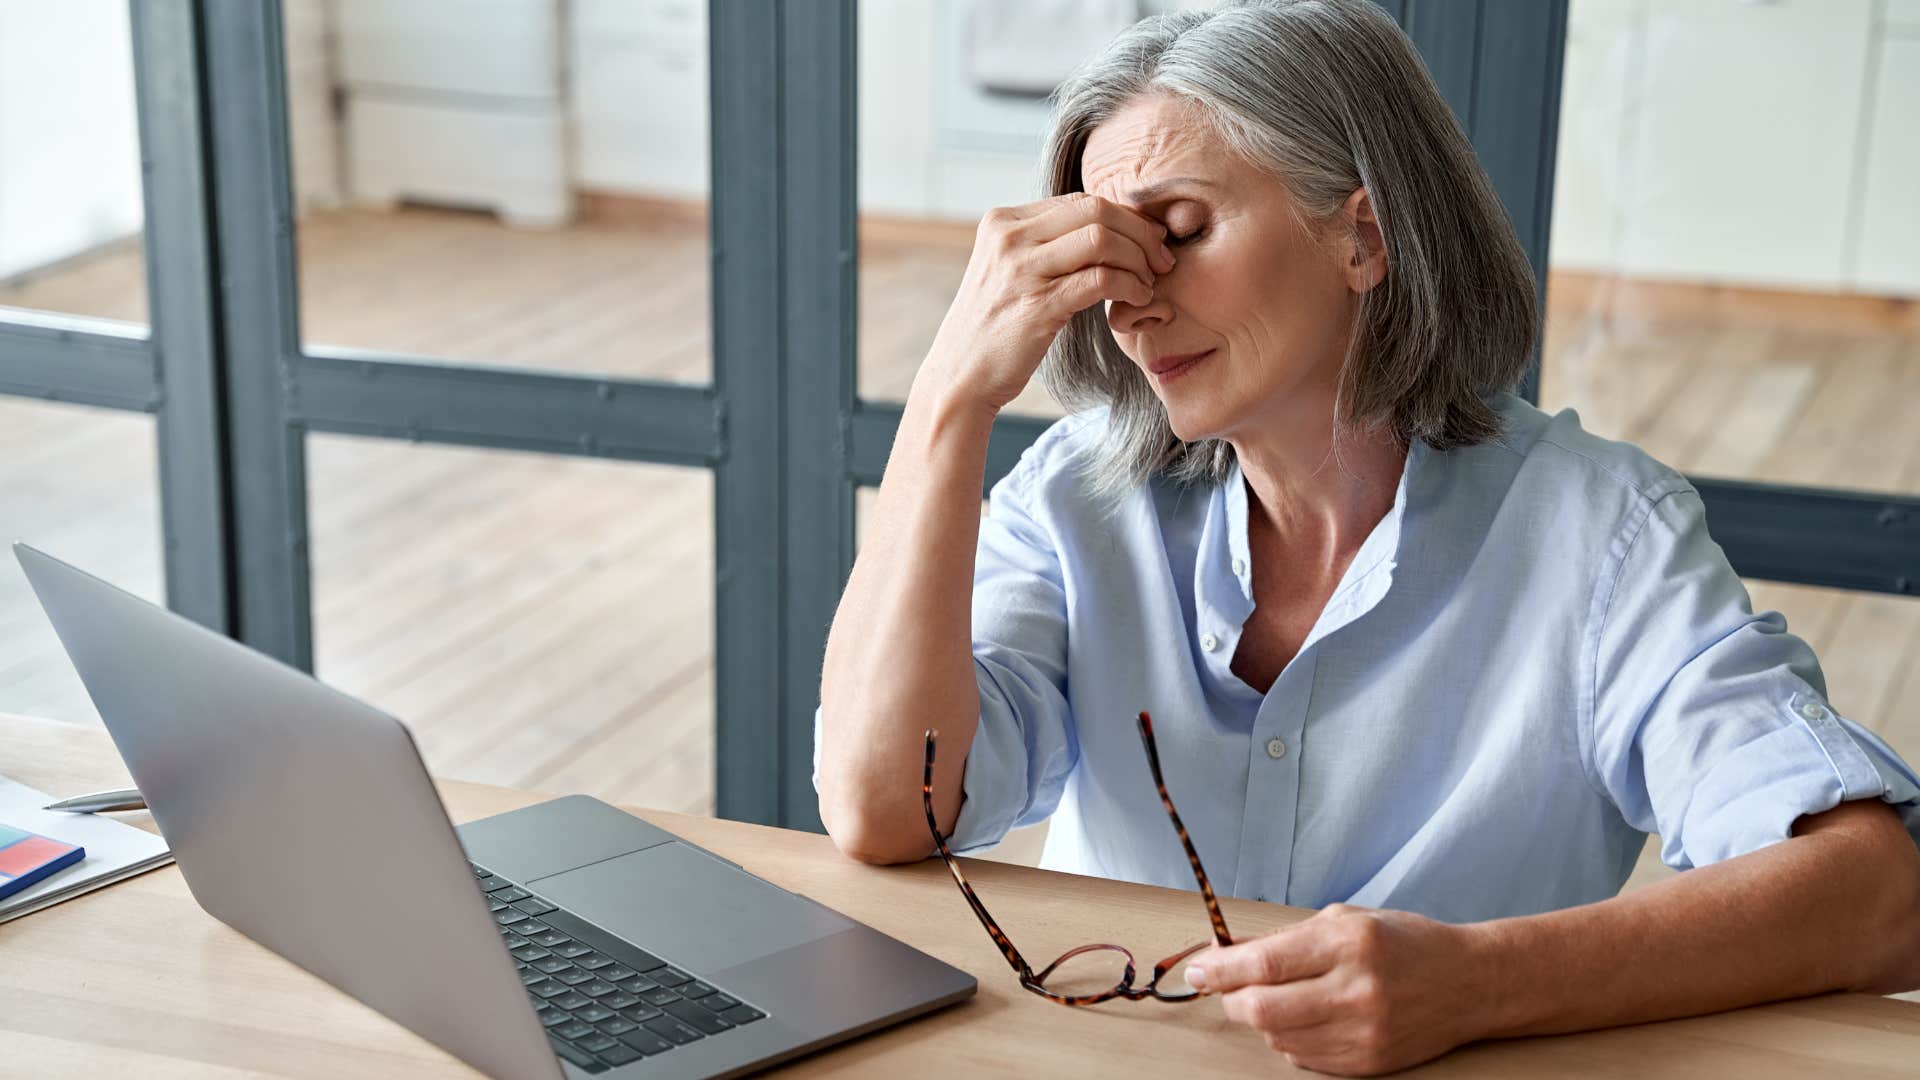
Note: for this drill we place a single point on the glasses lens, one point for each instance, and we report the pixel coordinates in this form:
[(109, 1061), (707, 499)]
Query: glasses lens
[(1174, 983), (1095, 970)]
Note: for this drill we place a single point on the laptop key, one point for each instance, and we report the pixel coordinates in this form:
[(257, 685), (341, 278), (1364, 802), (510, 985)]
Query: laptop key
[(577, 1056), (573, 976), (496, 906), (530, 976), (635, 985), (595, 1043), (572, 949), (673, 1030), (549, 938), (480, 871), (509, 894), (572, 1029), (594, 962), (494, 885), (670, 977), (640, 1013), (694, 1016), (553, 1018), (548, 989), (533, 905), (619, 999), (529, 952), (718, 1002), (594, 1014), (509, 916), (571, 1001), (619, 949), (596, 988), (550, 963), (646, 1042), (659, 995), (513, 940), (695, 989), (618, 1025), (742, 1014), (618, 1055)]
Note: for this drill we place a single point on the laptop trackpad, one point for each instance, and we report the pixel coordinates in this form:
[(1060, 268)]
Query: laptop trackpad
[(689, 908)]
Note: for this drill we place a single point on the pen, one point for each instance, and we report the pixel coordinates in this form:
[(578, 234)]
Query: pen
[(102, 801)]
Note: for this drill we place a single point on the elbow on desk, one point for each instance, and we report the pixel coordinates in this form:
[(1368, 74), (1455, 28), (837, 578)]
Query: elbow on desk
[(879, 840)]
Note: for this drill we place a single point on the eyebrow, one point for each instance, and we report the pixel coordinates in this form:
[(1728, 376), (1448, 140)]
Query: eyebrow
[(1161, 190)]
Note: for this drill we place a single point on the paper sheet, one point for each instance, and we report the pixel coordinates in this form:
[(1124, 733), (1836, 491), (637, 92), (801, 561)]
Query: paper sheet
[(114, 851)]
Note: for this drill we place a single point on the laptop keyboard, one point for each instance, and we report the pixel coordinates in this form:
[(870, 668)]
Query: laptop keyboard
[(603, 1002)]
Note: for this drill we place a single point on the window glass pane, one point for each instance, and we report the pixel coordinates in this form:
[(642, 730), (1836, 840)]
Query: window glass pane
[(70, 211), (496, 183), (1762, 328), (80, 484), (538, 621)]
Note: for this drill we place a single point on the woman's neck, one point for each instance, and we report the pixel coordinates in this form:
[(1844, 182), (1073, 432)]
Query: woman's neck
[(1321, 505)]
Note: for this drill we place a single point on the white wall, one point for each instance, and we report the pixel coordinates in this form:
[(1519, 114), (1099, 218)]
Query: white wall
[(69, 145)]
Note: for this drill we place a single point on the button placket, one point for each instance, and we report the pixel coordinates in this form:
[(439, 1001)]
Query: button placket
[(1273, 784)]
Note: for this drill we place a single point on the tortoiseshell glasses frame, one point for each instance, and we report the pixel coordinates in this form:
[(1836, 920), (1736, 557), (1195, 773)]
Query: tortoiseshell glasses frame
[(1124, 988)]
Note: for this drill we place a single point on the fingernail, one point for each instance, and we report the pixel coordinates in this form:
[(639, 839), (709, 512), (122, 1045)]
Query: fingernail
[(1196, 977), (1166, 253)]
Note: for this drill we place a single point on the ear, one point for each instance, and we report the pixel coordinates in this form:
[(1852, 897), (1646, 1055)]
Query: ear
[(1365, 250)]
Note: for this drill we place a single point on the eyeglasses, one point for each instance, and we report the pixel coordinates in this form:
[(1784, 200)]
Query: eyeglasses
[(1123, 988)]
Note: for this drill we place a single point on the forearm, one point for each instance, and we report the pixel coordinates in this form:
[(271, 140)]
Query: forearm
[(1827, 910), (899, 657)]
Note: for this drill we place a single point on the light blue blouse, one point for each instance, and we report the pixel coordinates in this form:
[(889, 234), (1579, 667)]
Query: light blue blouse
[(1537, 657)]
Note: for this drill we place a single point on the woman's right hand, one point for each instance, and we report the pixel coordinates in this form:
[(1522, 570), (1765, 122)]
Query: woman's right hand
[(1033, 267)]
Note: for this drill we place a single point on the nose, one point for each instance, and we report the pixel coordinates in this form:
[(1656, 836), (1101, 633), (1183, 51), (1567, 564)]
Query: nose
[(1125, 318)]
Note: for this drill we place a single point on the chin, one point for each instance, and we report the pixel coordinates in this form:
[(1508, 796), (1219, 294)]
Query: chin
[(1192, 425)]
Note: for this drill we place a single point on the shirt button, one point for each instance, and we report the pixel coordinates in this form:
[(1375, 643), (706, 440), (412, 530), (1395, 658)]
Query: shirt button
[(1209, 642), (1812, 711), (1276, 749), (1239, 567)]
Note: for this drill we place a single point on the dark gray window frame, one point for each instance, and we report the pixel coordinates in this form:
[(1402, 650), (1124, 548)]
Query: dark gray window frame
[(781, 426)]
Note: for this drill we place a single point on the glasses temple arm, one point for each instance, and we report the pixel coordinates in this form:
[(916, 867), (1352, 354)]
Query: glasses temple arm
[(1000, 939), (1220, 933)]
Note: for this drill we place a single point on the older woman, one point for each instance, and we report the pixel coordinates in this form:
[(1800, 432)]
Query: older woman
[(1420, 655)]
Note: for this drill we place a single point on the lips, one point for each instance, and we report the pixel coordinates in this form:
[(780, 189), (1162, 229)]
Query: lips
[(1167, 367)]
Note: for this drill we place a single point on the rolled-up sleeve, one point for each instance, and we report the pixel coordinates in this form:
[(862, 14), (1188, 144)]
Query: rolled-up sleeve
[(1709, 724), (1024, 746)]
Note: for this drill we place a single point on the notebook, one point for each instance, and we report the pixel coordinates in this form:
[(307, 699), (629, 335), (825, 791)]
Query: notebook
[(111, 851), (29, 857)]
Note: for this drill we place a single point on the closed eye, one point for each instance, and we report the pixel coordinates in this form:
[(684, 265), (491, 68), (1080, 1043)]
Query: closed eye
[(1176, 241)]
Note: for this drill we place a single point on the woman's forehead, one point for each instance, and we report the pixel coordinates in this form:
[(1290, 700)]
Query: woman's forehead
[(1149, 141)]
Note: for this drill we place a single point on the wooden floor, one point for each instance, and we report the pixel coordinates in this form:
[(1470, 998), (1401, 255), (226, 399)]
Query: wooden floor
[(548, 622)]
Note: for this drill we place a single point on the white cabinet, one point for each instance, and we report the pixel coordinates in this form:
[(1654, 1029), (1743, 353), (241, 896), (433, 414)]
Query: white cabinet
[(637, 96), (456, 101)]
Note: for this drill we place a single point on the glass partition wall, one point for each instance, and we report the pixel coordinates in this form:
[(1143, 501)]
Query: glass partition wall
[(442, 341)]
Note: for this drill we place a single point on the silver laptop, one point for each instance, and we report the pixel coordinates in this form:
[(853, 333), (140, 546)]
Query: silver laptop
[(565, 939)]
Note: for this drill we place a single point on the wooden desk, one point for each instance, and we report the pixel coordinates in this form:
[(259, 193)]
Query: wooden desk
[(135, 980)]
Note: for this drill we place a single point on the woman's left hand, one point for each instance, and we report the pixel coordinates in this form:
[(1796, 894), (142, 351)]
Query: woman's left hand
[(1353, 990)]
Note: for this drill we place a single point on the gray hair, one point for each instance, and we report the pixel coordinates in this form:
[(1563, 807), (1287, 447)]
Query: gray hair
[(1328, 96)]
